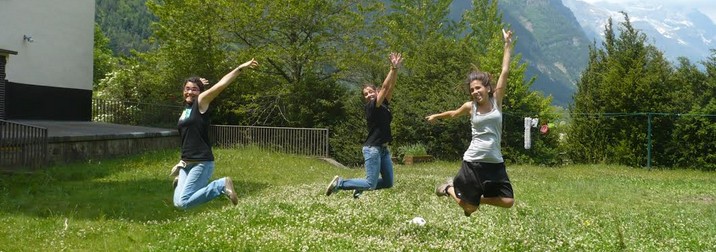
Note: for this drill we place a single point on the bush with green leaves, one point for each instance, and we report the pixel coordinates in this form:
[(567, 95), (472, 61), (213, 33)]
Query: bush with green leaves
[(416, 149)]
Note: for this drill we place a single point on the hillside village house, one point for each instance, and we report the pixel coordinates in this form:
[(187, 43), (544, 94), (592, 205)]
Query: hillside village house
[(46, 59)]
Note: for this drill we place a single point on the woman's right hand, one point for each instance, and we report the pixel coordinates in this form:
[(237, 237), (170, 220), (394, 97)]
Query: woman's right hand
[(251, 64)]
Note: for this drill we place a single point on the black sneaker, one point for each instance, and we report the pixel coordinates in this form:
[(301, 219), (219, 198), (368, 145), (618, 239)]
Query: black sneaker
[(357, 194), (333, 186), (230, 192)]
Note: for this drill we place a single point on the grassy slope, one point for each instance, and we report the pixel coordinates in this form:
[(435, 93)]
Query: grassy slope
[(125, 204)]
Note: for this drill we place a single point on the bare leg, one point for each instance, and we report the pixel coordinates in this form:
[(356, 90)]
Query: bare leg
[(466, 207), (498, 201), (469, 208)]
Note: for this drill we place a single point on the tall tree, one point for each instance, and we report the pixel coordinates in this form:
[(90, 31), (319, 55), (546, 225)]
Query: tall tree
[(437, 58), (103, 62), (624, 78), (694, 137)]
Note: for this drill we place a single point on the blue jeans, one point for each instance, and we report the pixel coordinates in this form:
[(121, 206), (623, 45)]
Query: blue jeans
[(377, 162), (194, 188)]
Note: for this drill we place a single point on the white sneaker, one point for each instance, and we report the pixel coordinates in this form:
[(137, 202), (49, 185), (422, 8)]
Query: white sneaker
[(333, 186), (230, 192)]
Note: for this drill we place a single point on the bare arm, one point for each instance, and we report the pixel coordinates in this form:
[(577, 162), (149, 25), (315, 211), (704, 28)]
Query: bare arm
[(501, 86), (386, 90), (462, 110), (206, 97)]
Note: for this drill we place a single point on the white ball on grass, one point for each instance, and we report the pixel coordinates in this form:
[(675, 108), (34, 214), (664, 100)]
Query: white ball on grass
[(418, 221)]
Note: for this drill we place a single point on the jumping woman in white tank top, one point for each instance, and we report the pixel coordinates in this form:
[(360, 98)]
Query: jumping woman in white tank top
[(482, 178)]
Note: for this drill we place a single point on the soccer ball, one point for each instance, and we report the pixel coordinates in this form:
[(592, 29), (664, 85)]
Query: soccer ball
[(418, 221)]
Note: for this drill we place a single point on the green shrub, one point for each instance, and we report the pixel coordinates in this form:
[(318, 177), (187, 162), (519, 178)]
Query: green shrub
[(417, 149)]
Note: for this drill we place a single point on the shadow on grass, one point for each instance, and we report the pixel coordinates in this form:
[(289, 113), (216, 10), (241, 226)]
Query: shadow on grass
[(93, 194)]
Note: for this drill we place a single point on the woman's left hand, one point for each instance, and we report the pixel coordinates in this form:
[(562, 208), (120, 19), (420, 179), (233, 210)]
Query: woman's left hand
[(205, 82), (507, 36), (395, 60)]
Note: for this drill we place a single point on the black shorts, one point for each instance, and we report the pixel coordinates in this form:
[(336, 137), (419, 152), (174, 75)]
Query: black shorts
[(475, 179)]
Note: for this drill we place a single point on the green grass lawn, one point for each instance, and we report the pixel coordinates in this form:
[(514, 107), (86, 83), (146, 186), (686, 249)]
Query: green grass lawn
[(125, 204)]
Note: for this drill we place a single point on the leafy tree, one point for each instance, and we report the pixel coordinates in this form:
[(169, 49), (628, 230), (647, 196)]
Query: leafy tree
[(305, 46), (437, 59), (310, 52), (103, 62), (693, 140)]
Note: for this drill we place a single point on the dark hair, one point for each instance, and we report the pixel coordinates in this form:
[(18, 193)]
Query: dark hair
[(367, 85), (196, 80), (481, 76)]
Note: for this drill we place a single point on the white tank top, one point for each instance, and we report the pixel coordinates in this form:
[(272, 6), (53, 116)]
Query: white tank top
[(486, 135)]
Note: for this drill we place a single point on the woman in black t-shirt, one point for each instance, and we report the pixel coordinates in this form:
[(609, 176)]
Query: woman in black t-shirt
[(193, 187), (378, 165)]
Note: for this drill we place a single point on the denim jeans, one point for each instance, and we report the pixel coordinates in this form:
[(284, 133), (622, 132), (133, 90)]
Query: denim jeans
[(194, 188), (377, 162)]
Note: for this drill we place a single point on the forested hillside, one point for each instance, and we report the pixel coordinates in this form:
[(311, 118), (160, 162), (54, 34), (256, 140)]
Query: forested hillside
[(126, 23), (553, 44)]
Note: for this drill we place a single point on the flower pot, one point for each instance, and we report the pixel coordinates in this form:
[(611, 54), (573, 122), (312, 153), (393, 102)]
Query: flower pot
[(414, 159)]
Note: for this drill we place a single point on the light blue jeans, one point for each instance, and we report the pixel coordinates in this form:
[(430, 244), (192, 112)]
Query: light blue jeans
[(377, 163), (194, 188)]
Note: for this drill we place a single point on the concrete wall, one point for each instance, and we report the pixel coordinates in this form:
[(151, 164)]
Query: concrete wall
[(63, 40), (67, 150)]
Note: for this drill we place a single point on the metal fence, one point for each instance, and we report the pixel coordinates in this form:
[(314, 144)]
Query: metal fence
[(300, 141), (22, 145), (135, 113)]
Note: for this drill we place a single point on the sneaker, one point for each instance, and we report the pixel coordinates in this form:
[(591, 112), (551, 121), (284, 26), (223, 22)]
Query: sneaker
[(176, 168), (230, 192), (175, 182), (333, 186), (357, 194), (442, 189)]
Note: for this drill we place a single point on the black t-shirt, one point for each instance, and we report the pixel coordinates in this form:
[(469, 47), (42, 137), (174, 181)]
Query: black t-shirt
[(378, 123), (194, 131)]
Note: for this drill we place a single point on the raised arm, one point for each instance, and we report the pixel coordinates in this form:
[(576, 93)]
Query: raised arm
[(206, 97), (386, 90), (462, 110), (501, 86)]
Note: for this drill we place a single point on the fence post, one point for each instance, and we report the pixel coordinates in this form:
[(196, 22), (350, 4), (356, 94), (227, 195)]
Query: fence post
[(648, 147)]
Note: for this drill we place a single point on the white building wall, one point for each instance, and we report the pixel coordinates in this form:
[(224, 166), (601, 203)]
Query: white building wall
[(61, 54)]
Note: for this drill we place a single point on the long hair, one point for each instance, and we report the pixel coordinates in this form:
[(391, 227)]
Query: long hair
[(481, 76)]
